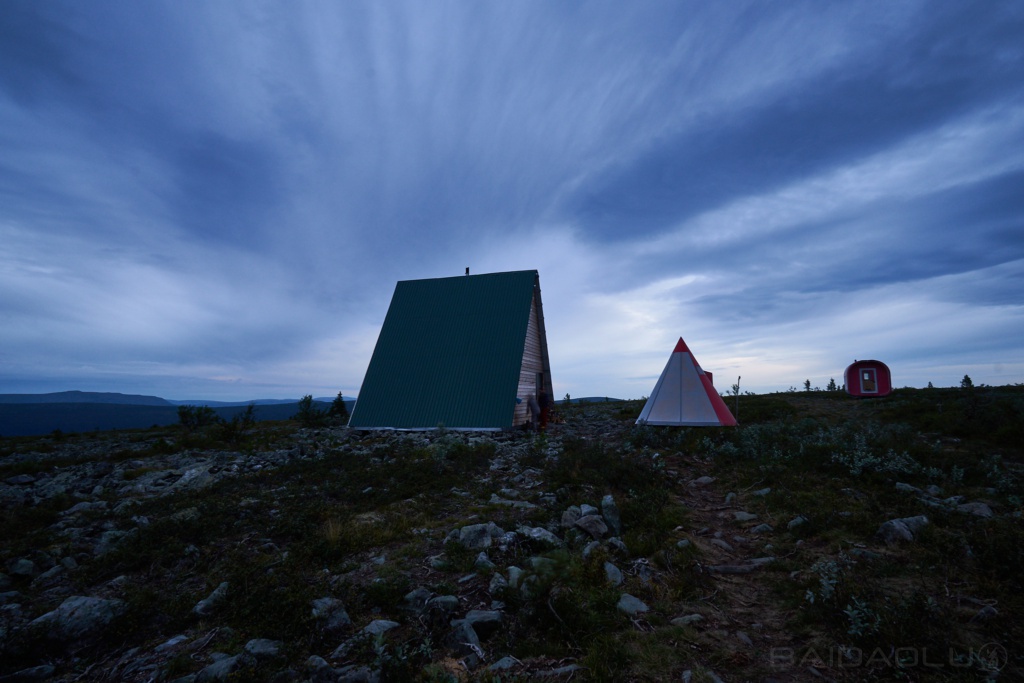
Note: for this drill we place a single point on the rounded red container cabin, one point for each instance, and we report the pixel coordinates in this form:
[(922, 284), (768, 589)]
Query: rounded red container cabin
[(868, 378)]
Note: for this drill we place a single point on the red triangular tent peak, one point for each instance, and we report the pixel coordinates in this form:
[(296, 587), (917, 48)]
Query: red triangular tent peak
[(684, 395)]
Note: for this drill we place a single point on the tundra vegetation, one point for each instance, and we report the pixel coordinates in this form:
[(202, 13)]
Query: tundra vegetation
[(826, 537)]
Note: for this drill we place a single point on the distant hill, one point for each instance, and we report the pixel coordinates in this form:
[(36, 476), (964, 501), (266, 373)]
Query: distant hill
[(225, 404), (85, 397), (31, 418), (591, 399)]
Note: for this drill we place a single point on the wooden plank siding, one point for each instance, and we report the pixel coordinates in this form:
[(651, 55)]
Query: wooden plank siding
[(532, 364), (534, 361)]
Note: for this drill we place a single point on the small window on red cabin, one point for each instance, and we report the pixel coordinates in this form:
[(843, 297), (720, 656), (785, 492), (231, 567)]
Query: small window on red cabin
[(868, 385)]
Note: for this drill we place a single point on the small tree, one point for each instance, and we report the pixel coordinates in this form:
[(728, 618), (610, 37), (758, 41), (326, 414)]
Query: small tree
[(736, 395), (930, 386), (338, 408), (194, 417), (831, 385), (309, 415), (234, 430), (568, 398), (807, 385), (966, 382)]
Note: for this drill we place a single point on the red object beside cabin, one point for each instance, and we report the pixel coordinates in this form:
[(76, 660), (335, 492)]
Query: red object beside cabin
[(867, 378)]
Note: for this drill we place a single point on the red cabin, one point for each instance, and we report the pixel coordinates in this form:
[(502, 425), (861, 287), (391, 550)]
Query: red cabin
[(866, 378)]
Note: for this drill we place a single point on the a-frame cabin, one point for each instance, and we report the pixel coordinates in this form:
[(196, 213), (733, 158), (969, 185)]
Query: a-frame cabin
[(457, 352)]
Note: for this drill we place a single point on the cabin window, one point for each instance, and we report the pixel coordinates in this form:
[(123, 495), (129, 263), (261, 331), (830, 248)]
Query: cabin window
[(868, 381)]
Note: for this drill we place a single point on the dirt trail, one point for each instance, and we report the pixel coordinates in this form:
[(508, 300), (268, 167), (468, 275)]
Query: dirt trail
[(744, 633)]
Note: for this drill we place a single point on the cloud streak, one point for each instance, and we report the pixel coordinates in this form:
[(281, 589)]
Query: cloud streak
[(217, 200)]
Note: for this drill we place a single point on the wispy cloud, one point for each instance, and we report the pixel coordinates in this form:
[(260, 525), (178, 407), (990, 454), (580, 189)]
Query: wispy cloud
[(217, 200)]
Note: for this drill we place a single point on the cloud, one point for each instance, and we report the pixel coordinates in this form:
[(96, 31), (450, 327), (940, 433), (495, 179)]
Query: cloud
[(218, 199)]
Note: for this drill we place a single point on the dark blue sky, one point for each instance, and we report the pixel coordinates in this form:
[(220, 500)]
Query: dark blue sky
[(216, 199)]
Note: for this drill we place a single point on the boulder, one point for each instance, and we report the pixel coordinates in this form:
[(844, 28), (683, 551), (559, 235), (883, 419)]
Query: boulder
[(475, 536), (540, 535), (901, 530), (593, 525), (79, 618), (688, 620), (611, 514), (207, 605), (262, 648), (631, 605), (570, 516)]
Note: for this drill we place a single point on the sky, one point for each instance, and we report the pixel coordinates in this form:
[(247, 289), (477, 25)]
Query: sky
[(216, 199)]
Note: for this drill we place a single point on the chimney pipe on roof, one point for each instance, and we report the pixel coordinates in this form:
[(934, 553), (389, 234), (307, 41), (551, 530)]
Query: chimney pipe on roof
[(467, 270)]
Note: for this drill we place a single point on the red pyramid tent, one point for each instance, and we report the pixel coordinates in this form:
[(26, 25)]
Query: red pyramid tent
[(684, 396)]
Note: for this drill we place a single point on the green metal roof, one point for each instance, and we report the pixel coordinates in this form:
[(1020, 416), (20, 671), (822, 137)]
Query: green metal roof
[(449, 353)]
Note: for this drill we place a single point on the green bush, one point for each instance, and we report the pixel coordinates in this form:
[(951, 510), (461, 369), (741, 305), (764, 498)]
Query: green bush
[(309, 415), (196, 417)]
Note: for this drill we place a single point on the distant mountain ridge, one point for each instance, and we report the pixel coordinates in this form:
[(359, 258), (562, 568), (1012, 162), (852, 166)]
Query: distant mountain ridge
[(86, 397), (84, 411)]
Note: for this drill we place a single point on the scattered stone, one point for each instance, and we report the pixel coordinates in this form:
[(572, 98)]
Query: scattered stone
[(907, 488), (484, 622), (799, 520), (759, 561), (744, 638), (901, 530), (557, 671), (332, 612), (933, 490), (445, 604), (631, 606), (463, 639), (688, 620), (505, 663), (730, 498), (620, 547), (475, 536), (865, 554), (498, 584), (515, 576), (742, 516), (702, 481), (498, 500), (979, 509), (721, 544), (221, 669), (49, 577), (540, 535), (762, 492), (22, 567), (263, 648), (593, 525), (611, 514), (320, 669), (684, 543), (483, 563), (762, 529), (588, 510), (172, 644), (570, 516), (20, 480), (78, 618), (380, 626), (206, 606), (613, 573)]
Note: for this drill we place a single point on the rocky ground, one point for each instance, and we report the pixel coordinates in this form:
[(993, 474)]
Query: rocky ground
[(599, 551)]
